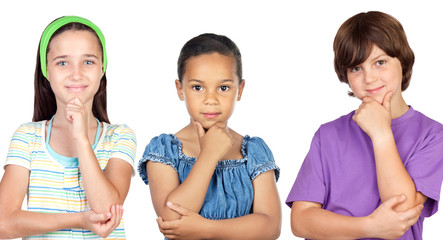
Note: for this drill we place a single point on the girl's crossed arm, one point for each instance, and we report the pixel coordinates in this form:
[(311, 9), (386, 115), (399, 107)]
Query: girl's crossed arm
[(15, 222), (263, 223)]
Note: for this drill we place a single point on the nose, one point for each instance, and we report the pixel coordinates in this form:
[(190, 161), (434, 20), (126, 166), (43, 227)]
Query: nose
[(76, 72), (370, 75), (211, 98)]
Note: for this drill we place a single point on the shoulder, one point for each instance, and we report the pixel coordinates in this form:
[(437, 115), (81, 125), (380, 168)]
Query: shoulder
[(117, 129), (114, 133), (424, 120), (338, 127), (425, 128), (165, 149), (259, 156), (164, 145), (30, 130), (31, 126), (254, 144)]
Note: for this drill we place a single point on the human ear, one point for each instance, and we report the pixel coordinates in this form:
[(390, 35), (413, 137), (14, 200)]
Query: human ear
[(179, 88), (240, 89)]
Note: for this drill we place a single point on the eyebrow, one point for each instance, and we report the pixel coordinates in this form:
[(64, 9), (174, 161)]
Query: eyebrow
[(66, 56), (60, 57), (200, 81), (379, 56)]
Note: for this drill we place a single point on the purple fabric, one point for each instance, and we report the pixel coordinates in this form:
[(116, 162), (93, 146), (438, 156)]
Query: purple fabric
[(339, 170)]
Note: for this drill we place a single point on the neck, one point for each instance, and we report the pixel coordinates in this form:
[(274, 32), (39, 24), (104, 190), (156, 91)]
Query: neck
[(398, 107)]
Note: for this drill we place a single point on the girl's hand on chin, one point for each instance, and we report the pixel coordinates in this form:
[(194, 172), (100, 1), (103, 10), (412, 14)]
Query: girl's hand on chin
[(77, 116), (216, 141)]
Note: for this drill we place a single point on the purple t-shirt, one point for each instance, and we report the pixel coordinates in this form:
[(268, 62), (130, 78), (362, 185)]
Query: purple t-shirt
[(339, 169)]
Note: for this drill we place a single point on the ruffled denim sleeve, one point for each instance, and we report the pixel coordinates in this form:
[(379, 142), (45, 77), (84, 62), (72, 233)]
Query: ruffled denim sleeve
[(163, 149), (259, 158)]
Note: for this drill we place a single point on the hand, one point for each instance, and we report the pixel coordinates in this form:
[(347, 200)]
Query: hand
[(372, 117), (103, 224), (216, 142), (190, 225), (77, 115), (386, 223)]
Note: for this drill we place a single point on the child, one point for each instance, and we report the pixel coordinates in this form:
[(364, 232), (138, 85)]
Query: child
[(75, 190), (376, 172), (207, 181)]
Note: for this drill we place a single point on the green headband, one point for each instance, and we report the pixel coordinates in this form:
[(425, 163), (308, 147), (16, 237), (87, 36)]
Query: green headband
[(58, 23)]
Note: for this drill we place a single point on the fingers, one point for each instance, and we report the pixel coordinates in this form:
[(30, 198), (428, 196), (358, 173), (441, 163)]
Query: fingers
[(200, 129), (166, 227), (74, 107), (114, 222), (100, 217), (413, 213), (177, 208), (394, 201), (387, 101)]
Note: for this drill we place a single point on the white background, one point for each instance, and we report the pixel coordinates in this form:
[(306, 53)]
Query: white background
[(291, 86)]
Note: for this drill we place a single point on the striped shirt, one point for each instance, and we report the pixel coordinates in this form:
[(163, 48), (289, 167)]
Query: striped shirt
[(56, 188)]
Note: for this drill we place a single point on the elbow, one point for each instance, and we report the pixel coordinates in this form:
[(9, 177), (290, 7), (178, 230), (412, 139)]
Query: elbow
[(276, 229), (273, 226), (276, 233), (411, 201), (297, 227), (5, 227), (167, 214), (104, 204)]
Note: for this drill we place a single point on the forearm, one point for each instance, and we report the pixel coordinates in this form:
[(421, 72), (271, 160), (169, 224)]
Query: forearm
[(100, 192), (23, 223), (392, 177), (252, 226), (317, 223), (192, 191)]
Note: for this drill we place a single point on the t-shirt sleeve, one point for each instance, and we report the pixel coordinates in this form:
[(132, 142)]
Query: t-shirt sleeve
[(162, 149), (426, 170), (259, 158), (310, 182), (19, 152), (125, 144)]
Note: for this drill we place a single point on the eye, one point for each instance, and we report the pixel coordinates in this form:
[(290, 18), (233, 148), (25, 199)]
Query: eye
[(197, 87), (62, 63), (224, 88), (355, 69), (380, 62), (88, 62)]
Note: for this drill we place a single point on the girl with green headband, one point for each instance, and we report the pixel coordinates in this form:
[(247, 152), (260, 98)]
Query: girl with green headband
[(74, 166)]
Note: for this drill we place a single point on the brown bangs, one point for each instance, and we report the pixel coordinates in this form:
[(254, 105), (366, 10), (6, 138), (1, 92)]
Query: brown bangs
[(357, 35)]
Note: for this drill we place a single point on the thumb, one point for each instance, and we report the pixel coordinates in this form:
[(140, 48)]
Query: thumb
[(100, 217), (394, 200), (200, 129), (387, 101), (177, 208)]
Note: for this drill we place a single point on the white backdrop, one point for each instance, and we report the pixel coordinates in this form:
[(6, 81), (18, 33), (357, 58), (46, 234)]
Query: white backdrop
[(291, 86)]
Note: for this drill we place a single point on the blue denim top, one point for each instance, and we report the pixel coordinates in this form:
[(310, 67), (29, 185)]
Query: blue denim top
[(230, 193)]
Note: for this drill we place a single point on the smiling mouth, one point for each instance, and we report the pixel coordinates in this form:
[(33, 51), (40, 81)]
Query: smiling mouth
[(210, 115), (375, 90), (76, 88)]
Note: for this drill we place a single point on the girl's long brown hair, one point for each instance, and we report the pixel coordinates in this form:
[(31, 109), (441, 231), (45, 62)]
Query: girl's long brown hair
[(45, 104)]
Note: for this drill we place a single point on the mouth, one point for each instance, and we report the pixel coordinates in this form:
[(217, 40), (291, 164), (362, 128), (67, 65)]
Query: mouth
[(211, 115), (76, 88), (375, 90)]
